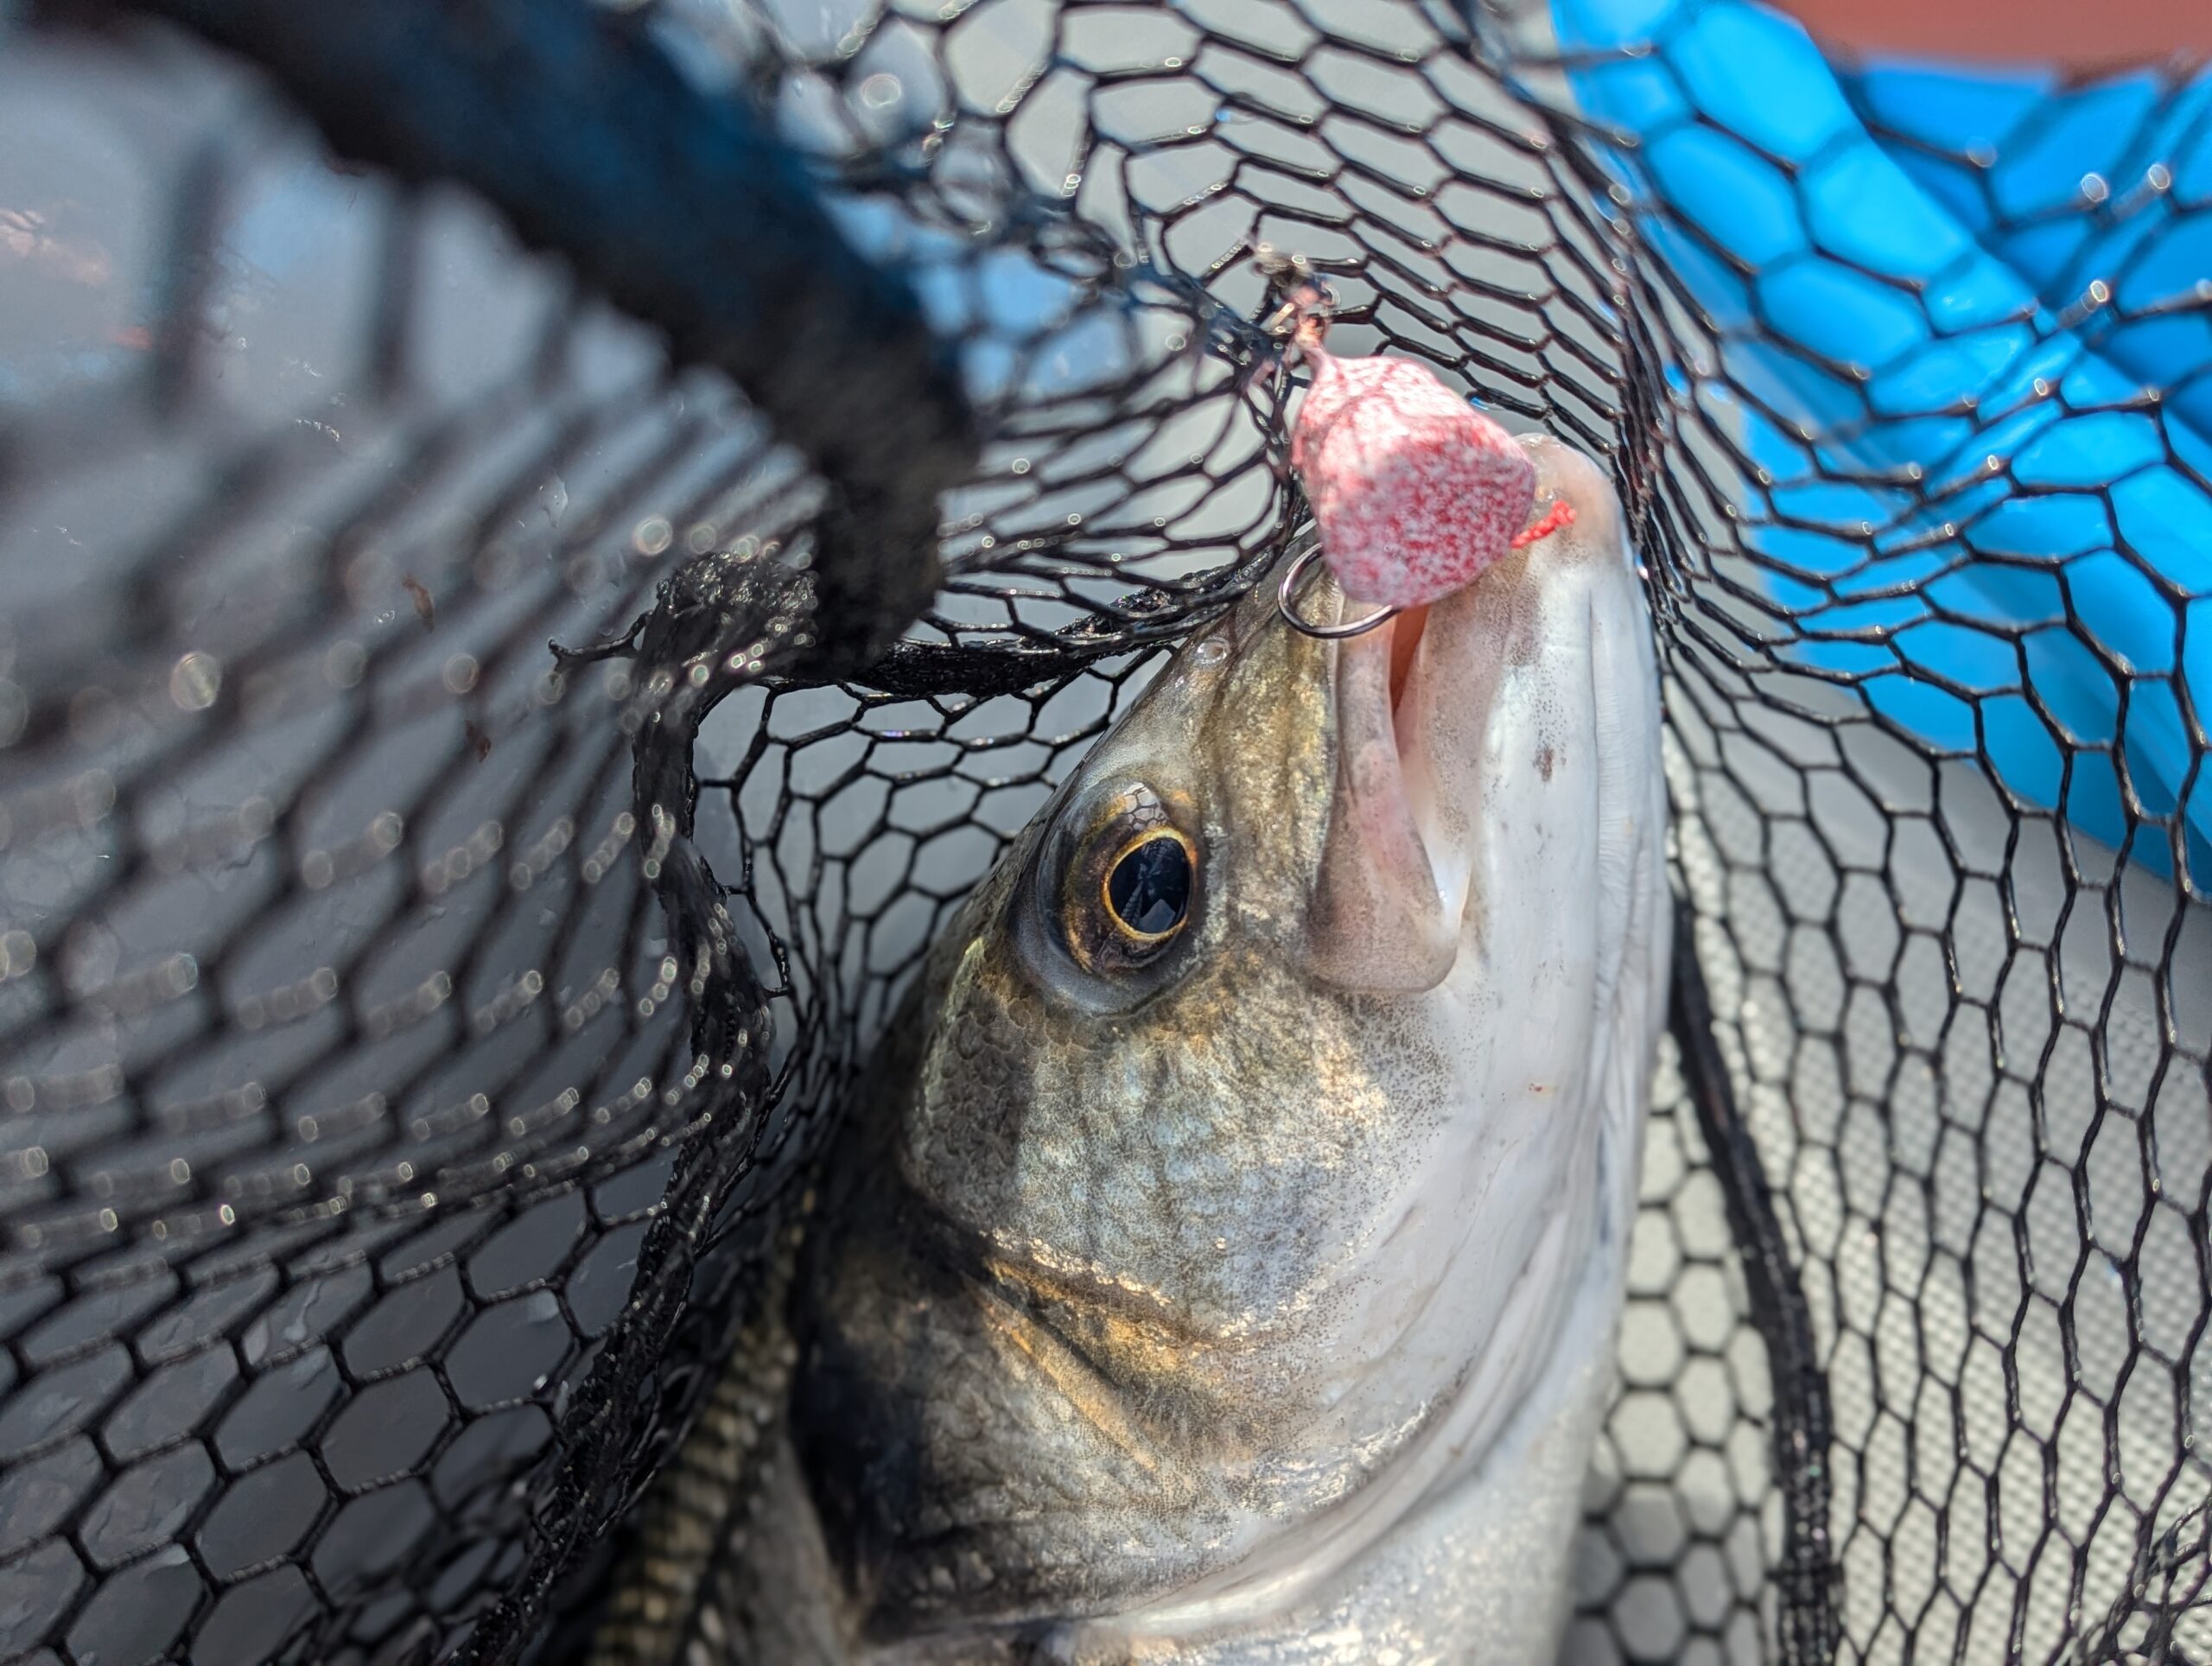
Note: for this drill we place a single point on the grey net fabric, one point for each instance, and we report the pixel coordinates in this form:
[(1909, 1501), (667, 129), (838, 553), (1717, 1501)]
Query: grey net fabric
[(347, 1060)]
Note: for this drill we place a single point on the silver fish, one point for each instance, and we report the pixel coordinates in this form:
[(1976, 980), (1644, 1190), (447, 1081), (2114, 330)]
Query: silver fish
[(1224, 1260)]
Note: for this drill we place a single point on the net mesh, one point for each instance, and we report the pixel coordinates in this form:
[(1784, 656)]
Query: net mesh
[(359, 1157)]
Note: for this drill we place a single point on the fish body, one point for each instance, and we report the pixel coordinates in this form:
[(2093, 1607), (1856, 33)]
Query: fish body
[(1222, 1259)]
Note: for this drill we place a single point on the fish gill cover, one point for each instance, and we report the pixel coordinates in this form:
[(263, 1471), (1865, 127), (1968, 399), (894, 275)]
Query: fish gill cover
[(404, 1026)]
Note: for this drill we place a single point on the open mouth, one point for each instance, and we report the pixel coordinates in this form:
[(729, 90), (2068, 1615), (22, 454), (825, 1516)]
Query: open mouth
[(1386, 916), (1405, 642)]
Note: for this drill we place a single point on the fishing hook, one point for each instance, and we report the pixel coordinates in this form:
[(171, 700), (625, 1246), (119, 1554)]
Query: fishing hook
[(1285, 601)]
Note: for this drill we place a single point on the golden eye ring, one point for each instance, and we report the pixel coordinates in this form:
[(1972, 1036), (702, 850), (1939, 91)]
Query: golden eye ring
[(1150, 889)]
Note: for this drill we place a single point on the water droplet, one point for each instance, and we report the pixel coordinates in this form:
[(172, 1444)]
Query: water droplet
[(195, 682), (653, 535)]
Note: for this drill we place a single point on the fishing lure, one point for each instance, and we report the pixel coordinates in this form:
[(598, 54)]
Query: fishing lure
[(1415, 492)]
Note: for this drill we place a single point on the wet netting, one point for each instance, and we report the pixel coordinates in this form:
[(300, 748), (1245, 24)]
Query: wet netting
[(405, 1025)]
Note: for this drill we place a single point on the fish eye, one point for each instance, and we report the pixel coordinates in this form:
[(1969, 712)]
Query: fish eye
[(1147, 889), (1130, 885)]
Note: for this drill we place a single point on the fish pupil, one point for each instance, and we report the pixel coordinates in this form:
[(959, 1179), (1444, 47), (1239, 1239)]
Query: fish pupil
[(1150, 887)]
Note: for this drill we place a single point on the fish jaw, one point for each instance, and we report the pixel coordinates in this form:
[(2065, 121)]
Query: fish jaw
[(1163, 1320)]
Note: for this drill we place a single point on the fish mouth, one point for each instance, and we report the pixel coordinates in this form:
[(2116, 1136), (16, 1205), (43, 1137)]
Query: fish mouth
[(1393, 886), (1417, 775), (1407, 627)]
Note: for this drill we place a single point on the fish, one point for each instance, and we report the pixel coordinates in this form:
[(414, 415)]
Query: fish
[(1222, 1258)]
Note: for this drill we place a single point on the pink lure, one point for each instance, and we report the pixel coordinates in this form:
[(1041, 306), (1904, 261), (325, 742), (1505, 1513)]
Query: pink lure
[(1415, 492)]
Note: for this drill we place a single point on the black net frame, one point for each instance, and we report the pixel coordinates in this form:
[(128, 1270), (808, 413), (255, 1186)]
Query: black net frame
[(373, 1231)]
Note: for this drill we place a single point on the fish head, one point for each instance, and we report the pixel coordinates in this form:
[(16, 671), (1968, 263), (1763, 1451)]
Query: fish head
[(1258, 1121)]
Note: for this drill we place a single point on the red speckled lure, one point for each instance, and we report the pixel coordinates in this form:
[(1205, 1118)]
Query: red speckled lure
[(1415, 492)]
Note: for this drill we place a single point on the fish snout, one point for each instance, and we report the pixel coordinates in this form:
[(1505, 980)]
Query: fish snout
[(1465, 732)]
